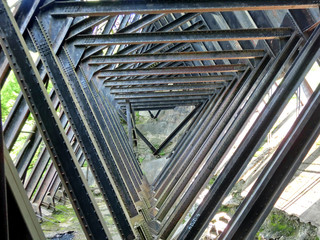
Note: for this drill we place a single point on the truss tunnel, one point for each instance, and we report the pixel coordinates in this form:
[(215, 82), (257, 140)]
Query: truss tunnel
[(85, 67)]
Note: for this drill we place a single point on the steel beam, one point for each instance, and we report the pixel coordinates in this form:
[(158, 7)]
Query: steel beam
[(108, 110), (176, 102), (84, 136), (21, 214), (129, 123), (277, 174), (15, 121), (168, 99), (244, 152), (129, 49), (210, 145), (181, 146), (4, 226), (174, 57), (35, 94), (166, 88), (164, 94), (75, 8), (177, 129), (172, 70), (183, 37), (85, 25), (175, 80)]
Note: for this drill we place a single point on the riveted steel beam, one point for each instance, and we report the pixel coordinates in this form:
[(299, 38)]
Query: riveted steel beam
[(277, 174), (167, 88), (175, 80), (172, 70), (177, 102), (211, 108), (139, 133), (174, 57), (174, 24), (75, 8), (183, 37), (158, 107), (244, 152), (53, 134), (165, 94), (167, 99), (177, 129), (84, 136), (205, 150), (18, 201), (3, 197), (86, 24)]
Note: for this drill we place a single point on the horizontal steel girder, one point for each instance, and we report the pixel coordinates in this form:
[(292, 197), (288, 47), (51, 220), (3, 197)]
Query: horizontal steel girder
[(164, 94), (185, 37), (175, 57), (172, 70), (176, 103), (167, 99), (167, 88), (156, 81), (88, 8)]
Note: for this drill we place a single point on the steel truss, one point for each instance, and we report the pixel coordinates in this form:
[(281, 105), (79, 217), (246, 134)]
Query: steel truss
[(108, 59)]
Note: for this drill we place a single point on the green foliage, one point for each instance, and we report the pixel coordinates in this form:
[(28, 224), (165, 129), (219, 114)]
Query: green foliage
[(279, 223), (212, 180), (49, 86), (162, 153), (23, 136), (224, 209), (137, 117), (9, 94), (35, 157), (85, 164), (141, 159)]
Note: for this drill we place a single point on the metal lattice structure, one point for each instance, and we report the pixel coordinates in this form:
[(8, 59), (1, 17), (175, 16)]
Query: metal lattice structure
[(108, 59)]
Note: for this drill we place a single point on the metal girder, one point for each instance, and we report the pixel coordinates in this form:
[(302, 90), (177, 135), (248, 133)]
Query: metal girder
[(214, 139), (130, 124), (4, 227), (28, 150), (139, 133), (19, 201), (154, 49), (84, 136), (244, 151), (277, 174), (184, 140), (177, 129), (176, 102), (53, 134), (167, 88), (183, 37), (75, 8), (172, 70), (211, 107), (108, 111), (174, 24), (167, 99), (165, 94), (158, 107), (175, 80), (86, 24), (174, 57), (106, 124), (15, 120)]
